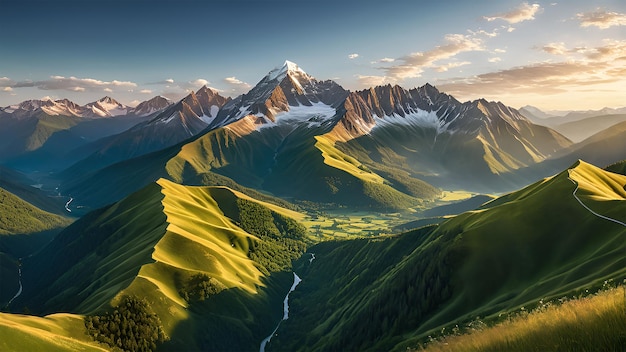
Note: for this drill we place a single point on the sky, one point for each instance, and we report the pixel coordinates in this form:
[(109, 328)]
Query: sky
[(555, 55)]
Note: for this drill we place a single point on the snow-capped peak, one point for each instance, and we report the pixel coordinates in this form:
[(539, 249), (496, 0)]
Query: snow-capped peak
[(280, 72)]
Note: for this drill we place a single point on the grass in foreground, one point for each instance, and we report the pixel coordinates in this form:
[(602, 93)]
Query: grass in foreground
[(592, 323)]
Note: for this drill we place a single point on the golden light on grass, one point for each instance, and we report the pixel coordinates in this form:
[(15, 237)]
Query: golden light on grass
[(592, 323)]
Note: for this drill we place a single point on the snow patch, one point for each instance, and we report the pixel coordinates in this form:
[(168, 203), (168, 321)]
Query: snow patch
[(214, 110), (167, 120), (207, 119), (314, 115), (414, 118)]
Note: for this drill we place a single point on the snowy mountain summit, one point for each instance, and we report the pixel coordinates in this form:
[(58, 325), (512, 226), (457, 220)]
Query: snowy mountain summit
[(284, 88), (288, 67)]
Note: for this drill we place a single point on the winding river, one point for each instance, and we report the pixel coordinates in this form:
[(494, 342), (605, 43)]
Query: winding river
[(19, 291), (296, 281), (67, 205)]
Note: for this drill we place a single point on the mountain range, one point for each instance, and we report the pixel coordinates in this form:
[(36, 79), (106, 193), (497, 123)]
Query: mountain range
[(214, 223), (295, 136)]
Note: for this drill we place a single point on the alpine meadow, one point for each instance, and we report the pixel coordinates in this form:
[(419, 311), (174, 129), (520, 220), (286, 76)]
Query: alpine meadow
[(443, 176)]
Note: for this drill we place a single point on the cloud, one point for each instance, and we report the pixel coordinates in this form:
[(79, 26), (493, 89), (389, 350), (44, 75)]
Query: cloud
[(7, 89), (372, 81), (414, 64), (601, 19), (163, 82), (584, 74), (145, 91), (545, 78), (386, 59), (491, 34), (108, 90), (555, 48), (237, 86), (499, 51), (494, 59), (450, 65), (199, 82), (72, 84), (611, 50), (353, 56), (524, 12)]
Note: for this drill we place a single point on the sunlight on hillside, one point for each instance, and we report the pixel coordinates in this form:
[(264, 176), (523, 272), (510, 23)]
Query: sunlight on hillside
[(593, 323)]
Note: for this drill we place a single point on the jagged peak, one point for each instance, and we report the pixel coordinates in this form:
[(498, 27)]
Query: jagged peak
[(108, 99), (280, 72), (207, 89)]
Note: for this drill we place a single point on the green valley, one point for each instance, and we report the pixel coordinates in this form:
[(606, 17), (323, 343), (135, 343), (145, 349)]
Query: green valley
[(302, 216)]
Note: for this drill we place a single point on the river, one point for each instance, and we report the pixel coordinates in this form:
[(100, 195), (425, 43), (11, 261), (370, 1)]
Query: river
[(19, 291), (296, 281), (67, 205)]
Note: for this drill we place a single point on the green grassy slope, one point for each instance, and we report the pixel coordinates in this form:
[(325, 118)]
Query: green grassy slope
[(592, 323), (20, 217), (24, 229), (539, 242), (57, 332), (183, 249), (93, 259), (618, 167), (286, 161)]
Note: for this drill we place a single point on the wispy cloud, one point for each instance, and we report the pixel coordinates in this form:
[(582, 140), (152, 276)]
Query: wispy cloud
[(610, 51), (237, 86), (145, 91), (524, 12), (384, 59), (494, 59), (200, 82), (414, 64), (540, 78), (450, 65), (163, 82), (601, 19), (353, 56), (372, 81), (72, 84)]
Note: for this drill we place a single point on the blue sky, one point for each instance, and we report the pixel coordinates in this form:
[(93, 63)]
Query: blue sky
[(551, 54)]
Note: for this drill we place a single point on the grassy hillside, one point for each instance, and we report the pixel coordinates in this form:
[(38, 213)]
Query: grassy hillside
[(199, 257), (57, 332), (618, 167), (592, 323), (508, 254), (20, 217), (23, 230), (290, 162)]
